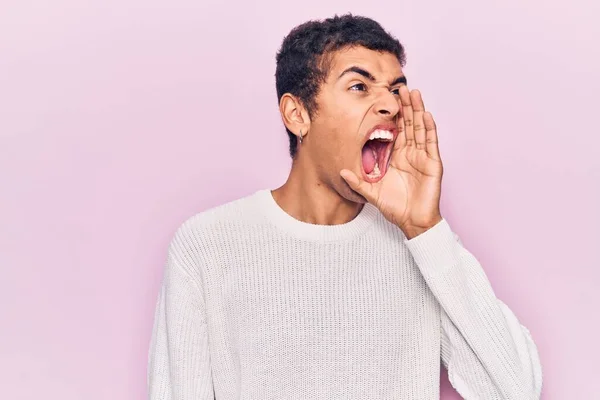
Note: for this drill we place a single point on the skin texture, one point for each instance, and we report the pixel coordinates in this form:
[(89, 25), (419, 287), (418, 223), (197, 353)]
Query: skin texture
[(327, 184)]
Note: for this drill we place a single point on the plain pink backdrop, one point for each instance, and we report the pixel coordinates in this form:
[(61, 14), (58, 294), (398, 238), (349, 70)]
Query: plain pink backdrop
[(120, 119)]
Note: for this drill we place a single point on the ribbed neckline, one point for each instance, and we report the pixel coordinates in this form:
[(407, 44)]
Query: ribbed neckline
[(313, 232)]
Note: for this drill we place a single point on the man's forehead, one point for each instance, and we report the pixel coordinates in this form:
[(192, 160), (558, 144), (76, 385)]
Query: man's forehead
[(382, 65)]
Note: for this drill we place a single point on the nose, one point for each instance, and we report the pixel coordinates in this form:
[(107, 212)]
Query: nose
[(387, 104)]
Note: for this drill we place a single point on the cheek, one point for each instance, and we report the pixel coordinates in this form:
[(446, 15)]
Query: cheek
[(341, 142), (344, 143), (344, 151), (346, 126)]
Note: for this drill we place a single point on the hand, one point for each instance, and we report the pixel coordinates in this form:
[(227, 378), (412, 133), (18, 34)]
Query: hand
[(409, 193)]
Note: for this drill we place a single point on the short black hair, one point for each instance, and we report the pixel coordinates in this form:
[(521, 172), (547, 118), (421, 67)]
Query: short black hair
[(303, 60)]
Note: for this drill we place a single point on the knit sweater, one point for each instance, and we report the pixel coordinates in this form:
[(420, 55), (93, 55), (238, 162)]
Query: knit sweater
[(255, 304)]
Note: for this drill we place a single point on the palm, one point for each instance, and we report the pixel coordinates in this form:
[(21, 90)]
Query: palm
[(409, 193), (410, 185)]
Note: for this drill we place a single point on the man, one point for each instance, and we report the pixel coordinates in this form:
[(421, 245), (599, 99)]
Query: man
[(346, 282)]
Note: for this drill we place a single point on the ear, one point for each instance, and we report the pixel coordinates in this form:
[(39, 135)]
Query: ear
[(294, 115)]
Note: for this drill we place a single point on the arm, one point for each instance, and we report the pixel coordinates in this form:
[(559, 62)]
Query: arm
[(178, 359), (487, 352)]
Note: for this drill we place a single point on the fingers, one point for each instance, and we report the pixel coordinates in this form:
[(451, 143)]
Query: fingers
[(431, 139), (363, 188), (417, 129), (407, 115), (401, 139), (418, 125)]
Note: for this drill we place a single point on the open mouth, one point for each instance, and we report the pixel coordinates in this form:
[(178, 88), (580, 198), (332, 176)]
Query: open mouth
[(376, 154)]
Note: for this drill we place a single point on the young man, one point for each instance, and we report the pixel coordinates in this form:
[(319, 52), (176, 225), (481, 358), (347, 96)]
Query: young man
[(346, 282)]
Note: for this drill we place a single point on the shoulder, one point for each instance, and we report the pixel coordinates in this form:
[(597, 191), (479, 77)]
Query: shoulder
[(203, 234)]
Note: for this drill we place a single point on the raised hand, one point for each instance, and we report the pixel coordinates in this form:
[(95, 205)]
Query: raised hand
[(409, 193)]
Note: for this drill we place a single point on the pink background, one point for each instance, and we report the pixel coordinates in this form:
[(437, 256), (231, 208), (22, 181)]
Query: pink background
[(120, 119)]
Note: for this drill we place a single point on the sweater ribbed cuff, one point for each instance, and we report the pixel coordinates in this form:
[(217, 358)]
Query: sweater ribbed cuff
[(435, 249)]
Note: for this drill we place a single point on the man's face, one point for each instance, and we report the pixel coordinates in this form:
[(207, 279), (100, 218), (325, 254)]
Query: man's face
[(358, 101)]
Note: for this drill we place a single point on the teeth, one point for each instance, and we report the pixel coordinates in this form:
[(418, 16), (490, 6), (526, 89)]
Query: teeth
[(381, 134), (376, 172)]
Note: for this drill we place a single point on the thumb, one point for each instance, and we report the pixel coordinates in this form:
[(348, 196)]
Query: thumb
[(361, 186)]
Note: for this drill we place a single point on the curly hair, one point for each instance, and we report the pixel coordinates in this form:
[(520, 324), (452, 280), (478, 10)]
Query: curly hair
[(305, 56)]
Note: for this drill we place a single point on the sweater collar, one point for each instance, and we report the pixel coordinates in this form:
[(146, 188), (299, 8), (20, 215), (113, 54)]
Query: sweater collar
[(312, 232)]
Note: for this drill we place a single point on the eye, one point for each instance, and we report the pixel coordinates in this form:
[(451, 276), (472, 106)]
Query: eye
[(396, 91), (360, 87)]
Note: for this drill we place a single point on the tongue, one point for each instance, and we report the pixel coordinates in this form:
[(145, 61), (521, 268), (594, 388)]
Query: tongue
[(368, 158)]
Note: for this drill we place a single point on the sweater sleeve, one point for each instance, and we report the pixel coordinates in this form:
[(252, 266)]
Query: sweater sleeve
[(178, 359), (487, 352)]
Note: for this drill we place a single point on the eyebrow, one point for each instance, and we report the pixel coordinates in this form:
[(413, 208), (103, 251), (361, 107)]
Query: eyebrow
[(368, 75)]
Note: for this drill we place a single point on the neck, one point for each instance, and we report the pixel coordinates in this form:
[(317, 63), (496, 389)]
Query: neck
[(307, 198)]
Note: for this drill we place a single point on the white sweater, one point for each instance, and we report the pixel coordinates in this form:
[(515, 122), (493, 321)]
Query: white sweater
[(258, 305)]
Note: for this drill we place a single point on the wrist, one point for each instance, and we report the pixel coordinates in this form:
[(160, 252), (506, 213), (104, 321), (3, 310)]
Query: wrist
[(411, 230)]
